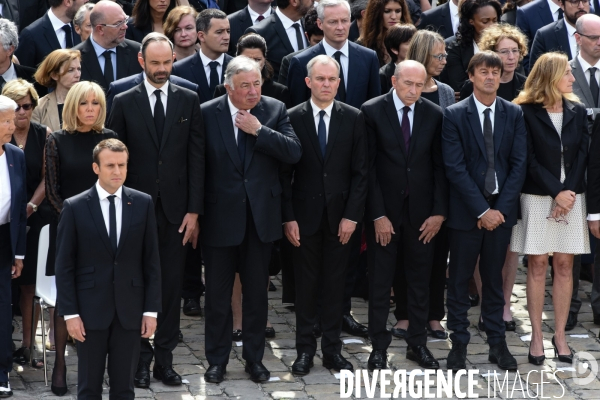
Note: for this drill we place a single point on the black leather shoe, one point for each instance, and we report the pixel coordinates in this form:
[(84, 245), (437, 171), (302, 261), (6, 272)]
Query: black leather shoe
[(215, 373), (377, 360), (571, 321), (303, 364), (423, 356), (500, 355), (474, 300), (237, 335), (399, 333), (336, 362), (269, 332), (437, 334), (272, 288), (5, 390), (457, 358), (535, 360), (142, 376), (596, 319), (191, 307), (351, 327), (166, 374), (258, 372), (180, 337), (480, 324), (510, 326), (317, 332)]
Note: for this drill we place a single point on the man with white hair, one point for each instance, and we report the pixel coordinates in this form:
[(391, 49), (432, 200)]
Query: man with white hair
[(246, 139), (406, 205), (9, 41)]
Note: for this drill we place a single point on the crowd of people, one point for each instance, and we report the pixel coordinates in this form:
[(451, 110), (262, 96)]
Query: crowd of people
[(188, 148)]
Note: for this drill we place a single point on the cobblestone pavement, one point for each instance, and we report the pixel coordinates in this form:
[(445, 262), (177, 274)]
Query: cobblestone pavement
[(322, 384)]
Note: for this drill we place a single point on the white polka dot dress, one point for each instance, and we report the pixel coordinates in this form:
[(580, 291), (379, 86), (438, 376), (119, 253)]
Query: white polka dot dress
[(537, 234)]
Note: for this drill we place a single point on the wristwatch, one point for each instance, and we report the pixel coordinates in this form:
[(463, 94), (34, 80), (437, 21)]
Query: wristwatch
[(257, 131), (33, 206)]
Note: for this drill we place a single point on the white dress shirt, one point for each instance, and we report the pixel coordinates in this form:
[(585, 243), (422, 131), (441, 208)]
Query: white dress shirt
[(585, 66), (57, 25), (554, 9), (10, 74), (326, 117), (572, 42), (101, 60), (454, 16), (254, 15), (105, 207), (480, 109), (234, 110), (5, 190), (399, 104), (206, 61), (152, 97), (344, 58), (291, 31)]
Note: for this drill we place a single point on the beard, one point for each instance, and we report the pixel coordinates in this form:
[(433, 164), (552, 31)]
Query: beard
[(159, 77)]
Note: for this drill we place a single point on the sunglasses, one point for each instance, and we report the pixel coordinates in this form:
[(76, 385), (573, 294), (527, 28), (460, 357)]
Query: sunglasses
[(25, 107)]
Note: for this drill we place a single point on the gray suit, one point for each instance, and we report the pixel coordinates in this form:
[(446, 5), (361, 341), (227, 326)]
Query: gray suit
[(581, 88)]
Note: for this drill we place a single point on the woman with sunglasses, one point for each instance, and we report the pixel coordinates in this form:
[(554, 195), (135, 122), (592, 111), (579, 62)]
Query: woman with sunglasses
[(552, 198)]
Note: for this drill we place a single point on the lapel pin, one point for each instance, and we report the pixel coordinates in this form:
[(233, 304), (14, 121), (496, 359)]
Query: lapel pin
[(182, 120), (10, 165)]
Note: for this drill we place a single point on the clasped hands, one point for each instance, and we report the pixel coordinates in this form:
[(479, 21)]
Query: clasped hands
[(565, 201), (77, 330)]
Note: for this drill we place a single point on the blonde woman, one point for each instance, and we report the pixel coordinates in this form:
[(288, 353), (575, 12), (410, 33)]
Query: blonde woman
[(69, 172), (552, 199)]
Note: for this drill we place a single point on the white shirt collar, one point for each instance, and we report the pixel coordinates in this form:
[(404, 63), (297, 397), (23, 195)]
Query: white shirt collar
[(481, 107), (233, 108), (254, 14), (206, 60), (56, 23), (553, 7), (585, 65), (99, 49), (151, 89), (570, 29), (399, 104), (453, 8), (330, 51), (103, 194), (285, 21), (10, 74), (316, 108)]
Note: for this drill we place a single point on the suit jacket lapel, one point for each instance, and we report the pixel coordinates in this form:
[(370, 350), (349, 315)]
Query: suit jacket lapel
[(50, 34), (417, 121), (141, 99), (227, 133), (282, 33), (122, 61), (542, 114), (258, 112), (581, 81), (309, 122), (392, 113), (447, 18), (337, 115), (11, 175), (172, 106), (475, 122), (353, 65), (499, 122), (89, 61), (562, 36), (96, 212), (200, 75), (126, 212), (568, 114)]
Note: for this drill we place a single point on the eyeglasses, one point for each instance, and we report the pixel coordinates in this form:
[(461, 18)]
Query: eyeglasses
[(576, 2), (507, 52), (440, 57), (25, 107), (118, 24), (593, 38)]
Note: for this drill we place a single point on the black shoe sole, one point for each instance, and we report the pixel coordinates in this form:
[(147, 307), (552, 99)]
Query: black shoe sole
[(211, 380), (494, 360), (192, 313), (141, 386), (254, 378), (157, 375), (372, 368), (332, 366), (416, 359)]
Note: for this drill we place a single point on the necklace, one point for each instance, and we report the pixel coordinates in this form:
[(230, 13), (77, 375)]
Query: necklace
[(22, 144)]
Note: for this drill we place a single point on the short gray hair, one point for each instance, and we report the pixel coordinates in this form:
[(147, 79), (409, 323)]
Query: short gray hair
[(7, 104), (80, 14), (330, 3), (153, 37), (238, 65), (323, 60), (406, 64), (9, 35)]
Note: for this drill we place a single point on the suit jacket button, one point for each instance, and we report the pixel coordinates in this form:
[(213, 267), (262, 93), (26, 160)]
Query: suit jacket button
[(160, 163), (245, 180), (402, 192), (565, 148), (482, 172), (325, 174), (567, 165), (243, 201), (408, 169), (158, 181)]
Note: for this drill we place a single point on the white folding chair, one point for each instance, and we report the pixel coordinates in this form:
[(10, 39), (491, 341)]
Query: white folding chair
[(45, 295)]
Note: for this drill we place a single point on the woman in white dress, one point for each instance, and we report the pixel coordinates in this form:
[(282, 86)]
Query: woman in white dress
[(552, 199)]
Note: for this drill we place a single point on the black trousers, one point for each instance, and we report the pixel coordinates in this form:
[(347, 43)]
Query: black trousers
[(288, 281), (353, 267), (122, 346), (465, 247), (5, 303), (251, 259), (404, 252), (172, 261), (320, 261), (437, 282), (193, 287)]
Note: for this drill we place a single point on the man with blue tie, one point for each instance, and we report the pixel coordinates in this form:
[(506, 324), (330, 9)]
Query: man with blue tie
[(13, 224)]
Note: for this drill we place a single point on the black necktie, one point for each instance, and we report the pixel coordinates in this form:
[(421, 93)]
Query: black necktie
[(406, 127), (298, 36), (159, 116), (594, 85), (260, 18), (241, 143), (68, 35), (341, 93), (488, 138), (561, 14), (2, 82), (322, 133), (112, 222), (214, 77), (109, 74)]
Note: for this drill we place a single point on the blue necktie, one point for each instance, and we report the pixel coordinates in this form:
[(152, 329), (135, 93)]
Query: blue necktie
[(241, 143), (112, 222), (322, 133)]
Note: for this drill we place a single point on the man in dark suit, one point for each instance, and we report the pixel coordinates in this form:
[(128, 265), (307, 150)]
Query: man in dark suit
[(359, 79), (166, 151), (30, 10), (484, 145), (13, 224), (108, 274), (239, 21), (206, 68), (442, 19), (559, 35), (230, 6), (283, 31), (247, 138), (324, 197), (106, 55), (534, 16), (9, 40), (52, 31), (406, 205)]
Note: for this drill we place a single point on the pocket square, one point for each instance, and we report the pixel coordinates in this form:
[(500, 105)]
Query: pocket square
[(181, 120)]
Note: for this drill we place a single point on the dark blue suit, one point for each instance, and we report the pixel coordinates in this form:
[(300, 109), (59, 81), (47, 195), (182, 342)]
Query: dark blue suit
[(552, 37), (192, 69), (530, 18), (464, 153), (362, 82), (124, 84), (16, 229)]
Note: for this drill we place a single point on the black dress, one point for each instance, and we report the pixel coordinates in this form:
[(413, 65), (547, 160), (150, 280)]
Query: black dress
[(34, 162), (69, 172), (432, 96)]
